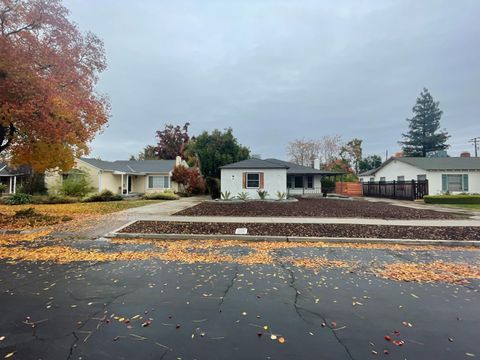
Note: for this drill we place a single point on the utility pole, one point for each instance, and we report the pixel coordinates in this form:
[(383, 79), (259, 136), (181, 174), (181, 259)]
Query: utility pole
[(475, 141)]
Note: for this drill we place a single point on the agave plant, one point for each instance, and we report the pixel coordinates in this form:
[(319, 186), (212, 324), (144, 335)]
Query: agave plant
[(281, 195), (262, 194), (243, 196), (226, 195)]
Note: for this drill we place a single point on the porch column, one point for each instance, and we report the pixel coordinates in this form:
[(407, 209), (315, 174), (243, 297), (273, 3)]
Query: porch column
[(10, 185), (121, 184), (14, 184)]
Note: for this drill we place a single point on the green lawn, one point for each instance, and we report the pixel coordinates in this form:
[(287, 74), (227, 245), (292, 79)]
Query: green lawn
[(463, 206)]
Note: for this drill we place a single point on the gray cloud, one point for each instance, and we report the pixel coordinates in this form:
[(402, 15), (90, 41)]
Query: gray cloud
[(279, 70)]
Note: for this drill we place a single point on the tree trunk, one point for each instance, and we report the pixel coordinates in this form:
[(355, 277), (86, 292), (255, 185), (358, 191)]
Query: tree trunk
[(6, 136)]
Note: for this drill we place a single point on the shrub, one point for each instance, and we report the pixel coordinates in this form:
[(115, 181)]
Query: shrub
[(25, 213), (105, 195), (227, 195), (213, 187), (452, 199), (196, 184), (262, 194), (181, 175), (33, 184), (75, 185), (161, 196), (243, 196), (53, 199), (281, 195), (3, 187), (18, 199), (328, 185)]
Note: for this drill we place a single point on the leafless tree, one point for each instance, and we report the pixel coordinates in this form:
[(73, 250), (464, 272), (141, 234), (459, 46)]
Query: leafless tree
[(305, 151)]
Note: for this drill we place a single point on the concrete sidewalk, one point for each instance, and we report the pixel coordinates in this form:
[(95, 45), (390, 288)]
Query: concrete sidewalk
[(312, 220)]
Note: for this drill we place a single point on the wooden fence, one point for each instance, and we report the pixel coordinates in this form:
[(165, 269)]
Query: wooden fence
[(348, 188), (404, 190)]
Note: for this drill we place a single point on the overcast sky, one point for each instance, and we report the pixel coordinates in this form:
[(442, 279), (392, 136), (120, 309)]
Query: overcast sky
[(277, 70)]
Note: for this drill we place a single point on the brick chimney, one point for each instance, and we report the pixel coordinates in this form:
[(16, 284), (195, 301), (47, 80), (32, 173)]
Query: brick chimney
[(465, 154)]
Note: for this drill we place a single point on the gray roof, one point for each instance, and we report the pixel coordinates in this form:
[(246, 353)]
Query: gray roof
[(7, 171), (254, 164), (300, 169), (292, 168), (432, 163), (368, 172), (133, 166)]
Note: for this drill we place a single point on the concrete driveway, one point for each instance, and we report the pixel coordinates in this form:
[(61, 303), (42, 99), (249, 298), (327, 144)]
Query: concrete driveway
[(116, 220)]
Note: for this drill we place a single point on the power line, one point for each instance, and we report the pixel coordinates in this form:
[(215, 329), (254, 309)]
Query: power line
[(475, 141)]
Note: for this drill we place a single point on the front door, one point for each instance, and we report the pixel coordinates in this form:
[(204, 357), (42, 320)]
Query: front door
[(129, 183)]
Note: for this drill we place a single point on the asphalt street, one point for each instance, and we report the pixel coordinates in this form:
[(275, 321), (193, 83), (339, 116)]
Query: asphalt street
[(156, 309)]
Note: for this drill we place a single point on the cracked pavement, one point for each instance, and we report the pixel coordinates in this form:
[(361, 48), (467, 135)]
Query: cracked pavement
[(171, 310)]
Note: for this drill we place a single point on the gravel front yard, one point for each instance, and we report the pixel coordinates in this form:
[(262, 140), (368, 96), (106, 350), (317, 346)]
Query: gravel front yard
[(314, 208), (325, 230)]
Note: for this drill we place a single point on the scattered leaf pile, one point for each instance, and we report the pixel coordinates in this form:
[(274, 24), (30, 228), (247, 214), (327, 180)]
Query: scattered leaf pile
[(437, 271)]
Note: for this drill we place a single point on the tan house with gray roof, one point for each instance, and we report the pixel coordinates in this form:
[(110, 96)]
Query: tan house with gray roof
[(122, 176)]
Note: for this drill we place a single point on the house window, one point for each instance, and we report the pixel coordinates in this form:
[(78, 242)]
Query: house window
[(455, 182), (253, 180), (310, 181), (372, 179), (299, 182), (158, 182), (382, 179), (422, 177), (401, 178)]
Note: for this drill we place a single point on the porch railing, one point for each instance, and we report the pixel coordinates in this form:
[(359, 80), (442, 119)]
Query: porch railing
[(303, 191)]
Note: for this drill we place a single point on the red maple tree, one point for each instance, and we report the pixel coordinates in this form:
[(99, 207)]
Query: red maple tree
[(49, 109)]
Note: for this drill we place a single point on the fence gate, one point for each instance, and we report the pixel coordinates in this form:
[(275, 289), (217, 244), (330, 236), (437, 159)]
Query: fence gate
[(404, 190)]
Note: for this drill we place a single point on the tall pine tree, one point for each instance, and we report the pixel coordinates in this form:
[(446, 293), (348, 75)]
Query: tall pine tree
[(424, 135)]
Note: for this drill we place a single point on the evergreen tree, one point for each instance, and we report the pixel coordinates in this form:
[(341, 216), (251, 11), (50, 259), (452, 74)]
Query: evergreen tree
[(369, 163), (424, 135)]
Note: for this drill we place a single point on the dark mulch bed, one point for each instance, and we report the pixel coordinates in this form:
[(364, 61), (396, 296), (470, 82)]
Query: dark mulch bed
[(314, 208), (327, 230)]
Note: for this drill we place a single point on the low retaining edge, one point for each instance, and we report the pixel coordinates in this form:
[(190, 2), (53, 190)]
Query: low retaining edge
[(467, 243)]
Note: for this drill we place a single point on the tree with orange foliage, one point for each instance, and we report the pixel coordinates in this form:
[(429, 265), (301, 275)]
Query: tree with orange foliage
[(49, 110)]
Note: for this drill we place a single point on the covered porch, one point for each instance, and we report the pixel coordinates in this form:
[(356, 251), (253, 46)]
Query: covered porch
[(10, 181), (129, 184), (309, 183)]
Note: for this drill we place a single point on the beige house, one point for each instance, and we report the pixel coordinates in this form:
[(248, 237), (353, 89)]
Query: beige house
[(122, 177)]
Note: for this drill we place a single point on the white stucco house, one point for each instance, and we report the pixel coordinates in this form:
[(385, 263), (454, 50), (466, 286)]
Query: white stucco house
[(444, 174), (122, 176), (271, 175)]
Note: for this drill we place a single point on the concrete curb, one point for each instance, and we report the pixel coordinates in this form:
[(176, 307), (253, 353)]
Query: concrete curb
[(465, 243)]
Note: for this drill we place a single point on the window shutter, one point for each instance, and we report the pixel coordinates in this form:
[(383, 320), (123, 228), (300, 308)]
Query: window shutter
[(444, 182), (261, 180), (244, 180), (465, 182)]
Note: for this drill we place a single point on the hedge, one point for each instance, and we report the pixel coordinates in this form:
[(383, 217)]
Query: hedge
[(452, 199), (160, 196)]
